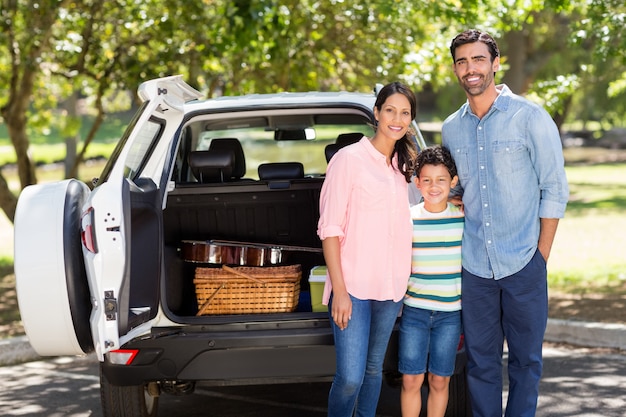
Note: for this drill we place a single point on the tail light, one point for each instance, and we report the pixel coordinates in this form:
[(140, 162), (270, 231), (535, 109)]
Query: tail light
[(122, 356), (88, 232)]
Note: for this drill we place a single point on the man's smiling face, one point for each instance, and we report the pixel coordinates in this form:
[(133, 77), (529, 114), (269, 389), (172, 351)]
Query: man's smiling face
[(473, 67)]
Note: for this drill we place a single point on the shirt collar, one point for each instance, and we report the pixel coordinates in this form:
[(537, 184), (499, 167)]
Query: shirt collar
[(373, 152), (500, 103)]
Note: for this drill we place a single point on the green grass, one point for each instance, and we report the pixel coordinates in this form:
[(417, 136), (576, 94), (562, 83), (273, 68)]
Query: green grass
[(6, 265), (53, 171), (55, 152), (588, 252), (50, 147), (110, 130)]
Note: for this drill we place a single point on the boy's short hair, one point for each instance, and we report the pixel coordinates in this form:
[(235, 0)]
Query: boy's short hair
[(435, 155)]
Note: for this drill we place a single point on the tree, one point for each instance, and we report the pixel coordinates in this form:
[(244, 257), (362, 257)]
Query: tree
[(63, 48), (54, 51), (26, 28), (600, 30)]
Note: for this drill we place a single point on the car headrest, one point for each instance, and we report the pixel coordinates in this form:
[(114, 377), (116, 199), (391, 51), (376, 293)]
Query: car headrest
[(212, 165), (233, 145), (345, 139), (330, 150), (281, 171)]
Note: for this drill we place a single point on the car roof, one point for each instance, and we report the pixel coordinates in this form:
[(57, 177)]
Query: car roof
[(286, 100), (181, 95)]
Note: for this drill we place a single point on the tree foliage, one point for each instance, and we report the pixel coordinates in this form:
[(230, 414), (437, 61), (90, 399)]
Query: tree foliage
[(25, 28), (567, 54)]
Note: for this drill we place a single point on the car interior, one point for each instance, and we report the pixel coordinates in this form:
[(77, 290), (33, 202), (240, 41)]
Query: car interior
[(255, 180)]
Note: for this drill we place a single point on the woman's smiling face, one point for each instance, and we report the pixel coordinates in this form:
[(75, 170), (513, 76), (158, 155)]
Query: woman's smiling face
[(394, 117)]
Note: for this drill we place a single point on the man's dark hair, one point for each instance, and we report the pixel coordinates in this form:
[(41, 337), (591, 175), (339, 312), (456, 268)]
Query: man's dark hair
[(474, 35), (435, 155)]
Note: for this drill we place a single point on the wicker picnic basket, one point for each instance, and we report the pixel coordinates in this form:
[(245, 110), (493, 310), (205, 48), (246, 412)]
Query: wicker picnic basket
[(243, 290)]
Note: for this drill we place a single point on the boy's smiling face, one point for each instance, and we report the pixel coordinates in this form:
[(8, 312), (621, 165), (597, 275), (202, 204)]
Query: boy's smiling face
[(435, 184)]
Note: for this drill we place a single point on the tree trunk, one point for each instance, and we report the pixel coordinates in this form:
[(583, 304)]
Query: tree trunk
[(80, 158), (8, 201), (14, 116), (24, 59), (559, 117), (71, 138), (517, 54)]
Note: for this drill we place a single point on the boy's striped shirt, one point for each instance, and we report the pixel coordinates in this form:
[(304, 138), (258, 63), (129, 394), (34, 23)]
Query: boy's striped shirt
[(435, 282)]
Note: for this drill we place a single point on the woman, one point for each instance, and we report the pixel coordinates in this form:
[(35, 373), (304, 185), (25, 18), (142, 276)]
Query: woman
[(365, 228)]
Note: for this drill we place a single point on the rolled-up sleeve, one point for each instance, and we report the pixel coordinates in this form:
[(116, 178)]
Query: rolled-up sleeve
[(548, 161), (335, 198)]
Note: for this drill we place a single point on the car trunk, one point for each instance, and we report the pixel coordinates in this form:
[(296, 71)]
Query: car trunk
[(258, 223)]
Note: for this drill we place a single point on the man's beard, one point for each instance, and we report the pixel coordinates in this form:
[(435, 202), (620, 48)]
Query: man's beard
[(478, 89)]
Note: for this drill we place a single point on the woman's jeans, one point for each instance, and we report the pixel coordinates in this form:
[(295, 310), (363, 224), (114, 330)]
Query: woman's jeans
[(360, 351)]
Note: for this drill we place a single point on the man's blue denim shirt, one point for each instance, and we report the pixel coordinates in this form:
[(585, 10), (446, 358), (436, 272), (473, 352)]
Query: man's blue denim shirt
[(511, 174)]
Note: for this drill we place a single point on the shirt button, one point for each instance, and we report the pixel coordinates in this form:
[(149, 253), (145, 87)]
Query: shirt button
[(482, 167), (481, 148), (489, 241), (486, 205), (480, 128), (484, 186), (486, 224)]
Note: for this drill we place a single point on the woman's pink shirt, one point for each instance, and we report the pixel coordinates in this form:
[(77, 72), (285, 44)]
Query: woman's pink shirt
[(365, 203)]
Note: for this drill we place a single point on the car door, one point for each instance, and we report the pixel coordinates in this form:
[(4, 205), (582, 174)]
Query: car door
[(94, 282), (124, 218)]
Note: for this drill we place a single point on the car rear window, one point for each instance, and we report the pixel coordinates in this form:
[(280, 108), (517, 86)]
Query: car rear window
[(307, 146)]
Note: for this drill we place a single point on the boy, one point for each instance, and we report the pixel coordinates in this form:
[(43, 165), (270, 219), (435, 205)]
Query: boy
[(430, 327)]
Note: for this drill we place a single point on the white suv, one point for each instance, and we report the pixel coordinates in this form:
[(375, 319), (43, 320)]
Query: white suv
[(192, 185)]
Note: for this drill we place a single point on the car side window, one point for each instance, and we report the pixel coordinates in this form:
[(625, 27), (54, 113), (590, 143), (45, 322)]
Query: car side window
[(141, 148)]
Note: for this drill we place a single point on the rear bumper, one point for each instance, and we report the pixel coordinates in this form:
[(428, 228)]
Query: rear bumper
[(243, 356), (225, 357)]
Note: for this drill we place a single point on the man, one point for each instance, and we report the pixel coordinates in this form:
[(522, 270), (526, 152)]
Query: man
[(510, 164)]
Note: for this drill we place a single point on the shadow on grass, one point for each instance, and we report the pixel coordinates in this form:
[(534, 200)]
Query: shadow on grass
[(592, 196), (587, 307), (6, 267), (578, 207)]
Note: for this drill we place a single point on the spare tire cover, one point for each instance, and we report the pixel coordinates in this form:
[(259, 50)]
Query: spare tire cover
[(51, 280)]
